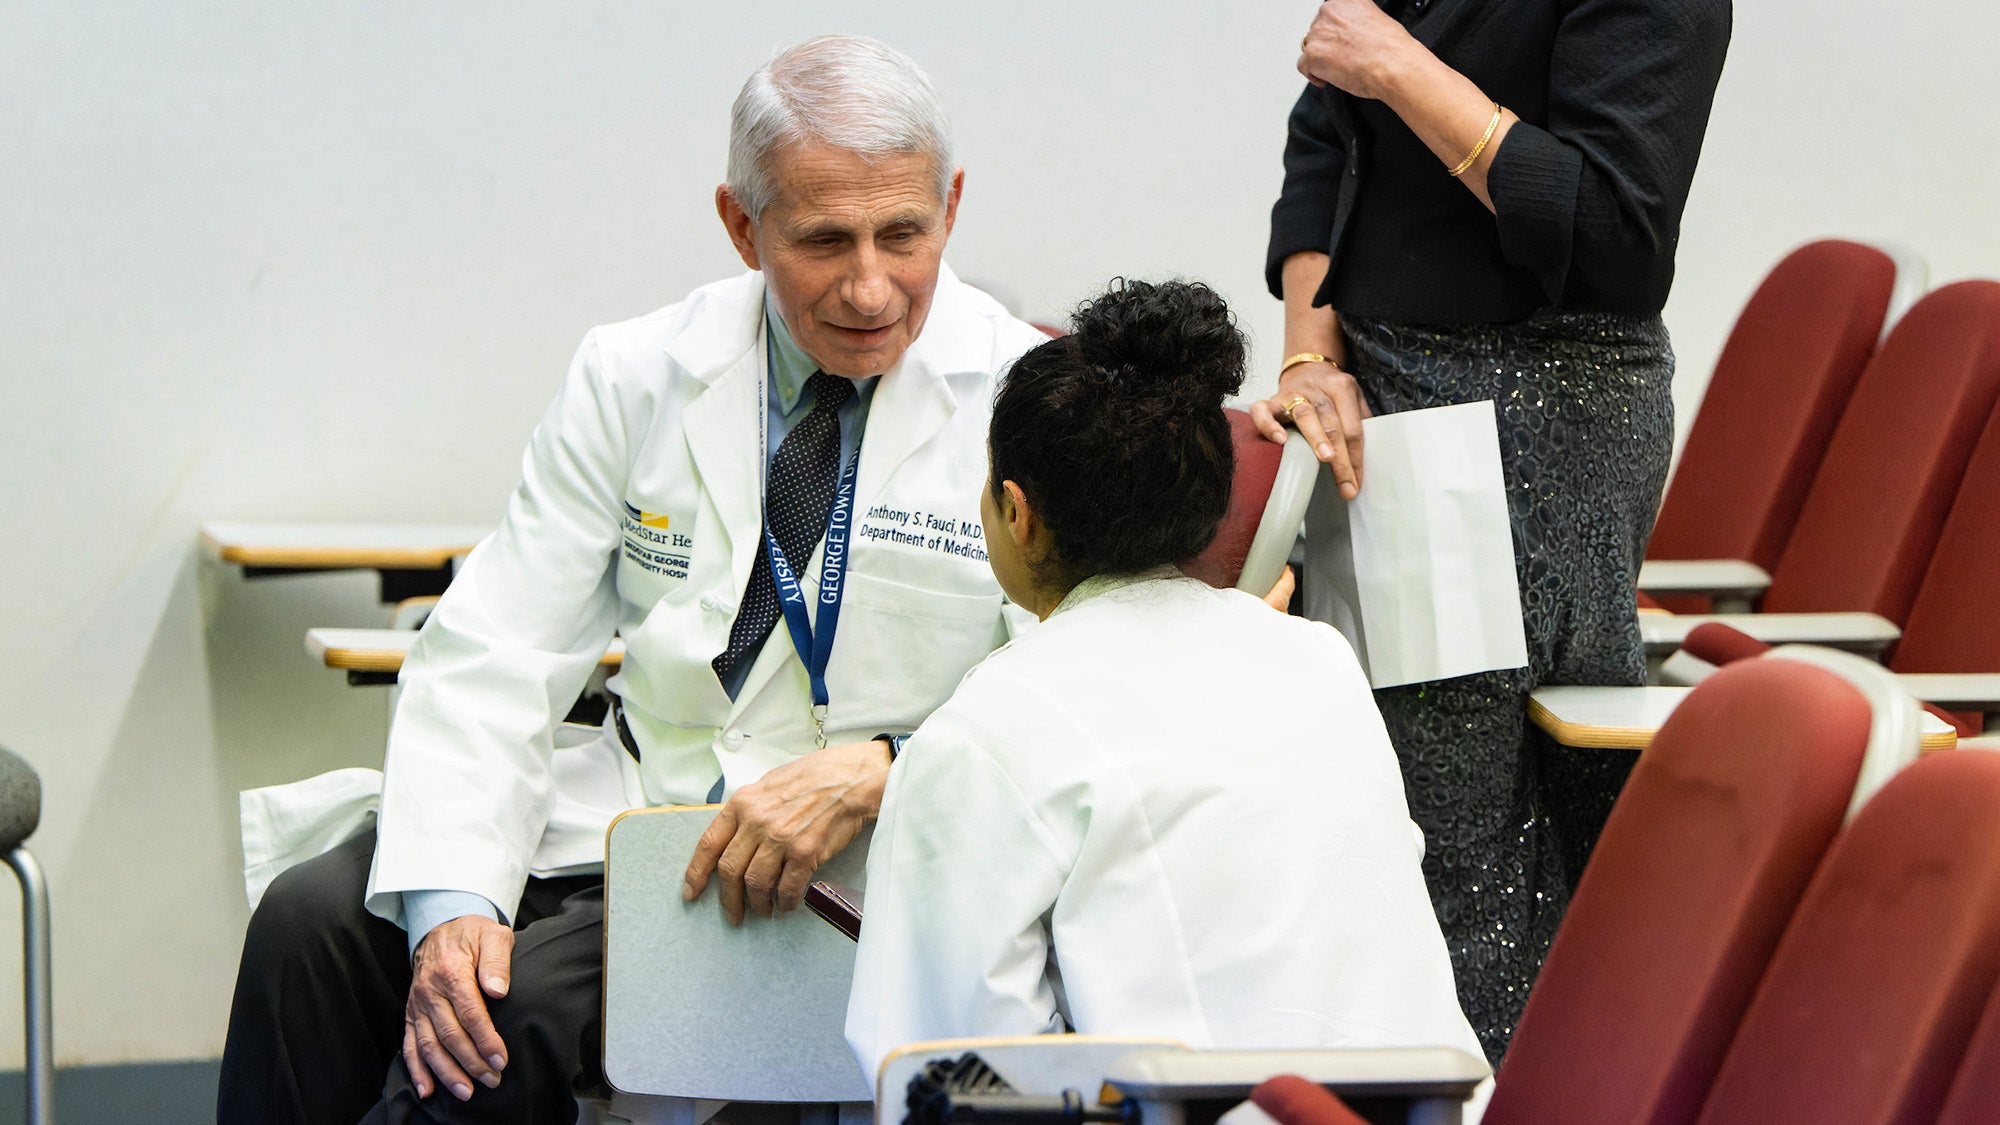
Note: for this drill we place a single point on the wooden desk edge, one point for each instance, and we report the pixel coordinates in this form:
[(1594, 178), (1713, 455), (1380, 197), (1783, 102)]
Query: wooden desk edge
[(391, 660), (1586, 736), (1930, 740), (334, 558)]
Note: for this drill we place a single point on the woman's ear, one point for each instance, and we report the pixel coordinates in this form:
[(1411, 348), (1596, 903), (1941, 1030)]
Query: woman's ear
[(1024, 526)]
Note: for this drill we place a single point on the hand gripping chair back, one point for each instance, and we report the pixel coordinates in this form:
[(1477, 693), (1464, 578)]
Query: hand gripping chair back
[(1871, 998), (1877, 504), (1705, 854), (1771, 405)]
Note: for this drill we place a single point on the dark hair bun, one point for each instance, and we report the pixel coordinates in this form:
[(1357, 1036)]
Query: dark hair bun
[(1116, 432), (1177, 340)]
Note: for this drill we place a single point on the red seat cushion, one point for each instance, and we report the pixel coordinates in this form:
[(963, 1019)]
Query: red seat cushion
[(1975, 1090), (1706, 852), (1221, 563), (1292, 1100), (1721, 644), (1872, 996), (1954, 625), (1771, 405), (1877, 505)]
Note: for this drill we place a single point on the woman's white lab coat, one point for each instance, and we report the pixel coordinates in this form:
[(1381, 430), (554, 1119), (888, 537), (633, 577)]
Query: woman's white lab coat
[(1165, 811), (639, 511)]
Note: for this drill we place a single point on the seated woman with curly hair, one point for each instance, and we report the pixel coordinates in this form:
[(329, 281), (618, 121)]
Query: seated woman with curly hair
[(1113, 826)]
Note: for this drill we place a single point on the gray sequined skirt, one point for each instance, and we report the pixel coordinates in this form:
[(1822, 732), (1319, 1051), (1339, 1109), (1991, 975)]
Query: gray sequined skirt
[(1585, 410)]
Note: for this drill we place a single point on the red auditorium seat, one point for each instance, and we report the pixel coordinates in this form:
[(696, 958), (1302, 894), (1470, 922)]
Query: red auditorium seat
[(1880, 1002), (1771, 405), (1256, 470), (1878, 501), (1704, 857), (1869, 1002), (1954, 622), (1293, 1100), (1709, 850), (1974, 1098)]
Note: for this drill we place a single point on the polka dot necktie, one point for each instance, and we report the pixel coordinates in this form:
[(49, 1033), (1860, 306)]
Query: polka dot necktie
[(798, 497)]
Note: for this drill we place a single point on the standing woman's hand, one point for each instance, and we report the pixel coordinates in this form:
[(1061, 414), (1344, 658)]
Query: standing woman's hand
[(1354, 45), (1326, 405)]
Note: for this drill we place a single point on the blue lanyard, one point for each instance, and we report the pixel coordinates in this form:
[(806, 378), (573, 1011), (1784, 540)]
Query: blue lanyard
[(815, 647)]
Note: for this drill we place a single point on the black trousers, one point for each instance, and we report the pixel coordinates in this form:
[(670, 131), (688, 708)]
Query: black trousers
[(316, 1026)]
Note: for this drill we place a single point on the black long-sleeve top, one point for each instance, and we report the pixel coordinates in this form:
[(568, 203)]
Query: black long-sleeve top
[(1588, 187)]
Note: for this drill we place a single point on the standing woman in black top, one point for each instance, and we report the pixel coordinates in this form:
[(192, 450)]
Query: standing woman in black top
[(1482, 200)]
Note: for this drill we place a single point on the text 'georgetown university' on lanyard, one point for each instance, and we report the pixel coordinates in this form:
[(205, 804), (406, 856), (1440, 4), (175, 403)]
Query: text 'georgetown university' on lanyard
[(815, 645)]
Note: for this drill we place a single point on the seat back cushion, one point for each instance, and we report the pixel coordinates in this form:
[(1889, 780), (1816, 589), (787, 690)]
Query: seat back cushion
[(1878, 502), (1954, 625), (1256, 468), (1872, 996), (1770, 406), (1707, 850)]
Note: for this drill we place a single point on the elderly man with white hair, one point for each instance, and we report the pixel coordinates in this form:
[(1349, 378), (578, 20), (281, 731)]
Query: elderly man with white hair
[(770, 490)]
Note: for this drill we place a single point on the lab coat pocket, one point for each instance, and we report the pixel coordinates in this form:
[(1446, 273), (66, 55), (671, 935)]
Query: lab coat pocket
[(902, 650)]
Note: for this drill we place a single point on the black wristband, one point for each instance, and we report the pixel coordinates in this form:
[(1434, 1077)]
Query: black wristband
[(895, 742)]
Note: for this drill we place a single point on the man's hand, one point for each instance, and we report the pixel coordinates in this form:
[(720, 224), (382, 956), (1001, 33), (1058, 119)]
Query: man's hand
[(447, 1035), (774, 833), (1330, 418)]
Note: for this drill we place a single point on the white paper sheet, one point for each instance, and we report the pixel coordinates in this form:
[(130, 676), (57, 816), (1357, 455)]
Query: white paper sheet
[(1418, 570)]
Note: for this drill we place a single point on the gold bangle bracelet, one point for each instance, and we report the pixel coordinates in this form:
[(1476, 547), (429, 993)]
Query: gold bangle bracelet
[(1481, 146), (1292, 361)]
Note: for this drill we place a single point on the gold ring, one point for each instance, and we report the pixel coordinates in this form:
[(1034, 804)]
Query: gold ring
[(1292, 408)]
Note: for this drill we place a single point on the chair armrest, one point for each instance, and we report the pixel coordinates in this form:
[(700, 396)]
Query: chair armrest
[(1864, 633), (1167, 1076), (1723, 579), (1955, 691), (1284, 513)]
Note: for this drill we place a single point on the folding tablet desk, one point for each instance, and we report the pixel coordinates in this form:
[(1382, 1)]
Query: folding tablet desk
[(374, 656), (1864, 633), (1627, 718), (411, 560), (699, 1010)]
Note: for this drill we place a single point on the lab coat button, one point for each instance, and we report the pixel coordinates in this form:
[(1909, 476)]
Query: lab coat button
[(734, 739), (712, 603)]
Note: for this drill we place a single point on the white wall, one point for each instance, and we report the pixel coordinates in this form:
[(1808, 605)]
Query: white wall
[(328, 262)]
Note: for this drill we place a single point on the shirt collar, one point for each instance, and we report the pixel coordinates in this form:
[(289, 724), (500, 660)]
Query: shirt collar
[(1098, 584), (790, 365)]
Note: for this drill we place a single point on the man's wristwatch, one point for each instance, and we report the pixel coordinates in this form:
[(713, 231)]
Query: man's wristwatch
[(895, 742)]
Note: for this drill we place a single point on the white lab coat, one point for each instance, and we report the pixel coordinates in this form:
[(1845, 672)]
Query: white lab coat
[(639, 512), (1165, 811)]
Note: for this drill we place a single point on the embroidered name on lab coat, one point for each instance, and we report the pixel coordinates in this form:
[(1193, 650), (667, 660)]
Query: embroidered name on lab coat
[(946, 535)]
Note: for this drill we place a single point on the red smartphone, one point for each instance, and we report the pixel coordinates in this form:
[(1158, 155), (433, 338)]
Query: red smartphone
[(839, 905)]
